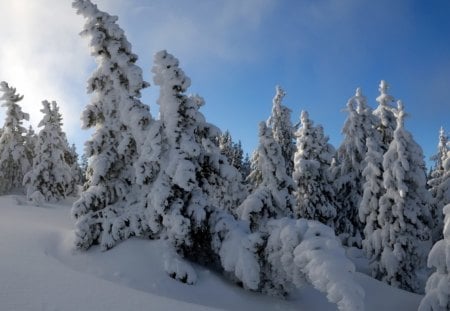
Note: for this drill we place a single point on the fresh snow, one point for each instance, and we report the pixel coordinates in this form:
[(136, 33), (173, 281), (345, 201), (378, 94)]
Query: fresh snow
[(41, 270)]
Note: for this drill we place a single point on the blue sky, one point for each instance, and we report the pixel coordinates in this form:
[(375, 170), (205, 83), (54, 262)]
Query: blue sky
[(237, 51)]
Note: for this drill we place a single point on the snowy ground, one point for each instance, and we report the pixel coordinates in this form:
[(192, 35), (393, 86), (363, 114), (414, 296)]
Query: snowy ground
[(39, 270)]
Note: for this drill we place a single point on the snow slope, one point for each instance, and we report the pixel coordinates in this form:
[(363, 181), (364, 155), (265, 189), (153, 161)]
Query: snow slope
[(40, 270)]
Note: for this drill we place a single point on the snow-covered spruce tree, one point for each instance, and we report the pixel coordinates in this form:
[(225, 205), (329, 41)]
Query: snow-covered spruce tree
[(182, 167), (71, 157), (103, 213), (30, 143), (403, 213), (359, 125), (273, 198), (50, 177), (439, 184), (369, 207), (282, 128), (437, 290), (385, 112), (233, 151), (14, 156), (312, 160)]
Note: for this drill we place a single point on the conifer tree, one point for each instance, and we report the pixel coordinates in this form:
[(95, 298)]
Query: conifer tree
[(312, 161), (274, 196), (30, 143), (103, 213), (439, 184), (282, 128), (437, 290), (385, 112), (14, 156), (350, 156), (403, 213), (181, 165), (372, 192), (71, 157), (233, 151), (50, 178)]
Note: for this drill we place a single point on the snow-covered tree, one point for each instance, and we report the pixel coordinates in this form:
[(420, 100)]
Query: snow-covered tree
[(386, 114), (182, 167), (404, 216), (233, 151), (50, 178), (437, 290), (71, 157), (372, 192), (254, 178), (273, 198), (439, 184), (14, 156), (312, 161), (30, 143), (282, 128), (359, 125), (103, 213)]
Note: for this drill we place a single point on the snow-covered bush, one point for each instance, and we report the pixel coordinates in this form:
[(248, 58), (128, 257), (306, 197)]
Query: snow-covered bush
[(285, 254), (437, 290), (106, 211), (50, 178), (14, 156)]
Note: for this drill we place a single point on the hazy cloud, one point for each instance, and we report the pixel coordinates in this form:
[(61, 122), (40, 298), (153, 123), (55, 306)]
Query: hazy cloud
[(42, 56)]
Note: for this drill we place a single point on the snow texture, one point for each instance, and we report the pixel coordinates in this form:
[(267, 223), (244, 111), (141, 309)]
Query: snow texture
[(37, 249)]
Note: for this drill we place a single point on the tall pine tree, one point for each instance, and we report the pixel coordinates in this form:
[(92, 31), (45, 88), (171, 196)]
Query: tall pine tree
[(50, 177), (385, 112), (439, 184), (437, 290), (182, 168), (358, 126), (14, 156), (312, 162), (119, 121), (282, 128), (403, 213), (273, 198)]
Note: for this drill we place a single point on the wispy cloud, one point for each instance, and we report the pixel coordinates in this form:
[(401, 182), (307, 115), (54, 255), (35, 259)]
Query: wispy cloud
[(197, 29)]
